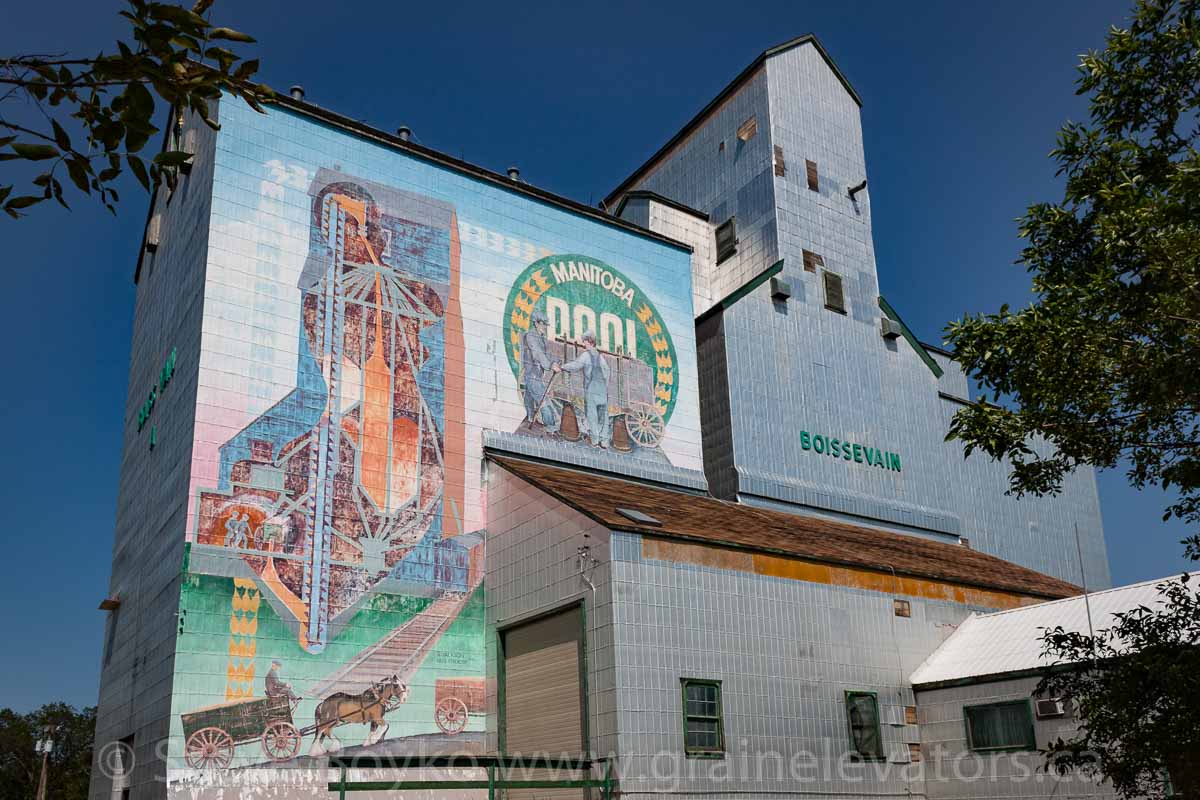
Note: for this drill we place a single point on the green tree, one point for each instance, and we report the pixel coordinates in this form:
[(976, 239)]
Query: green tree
[(1104, 365), (70, 763), (92, 117), (1136, 687), (1103, 369)]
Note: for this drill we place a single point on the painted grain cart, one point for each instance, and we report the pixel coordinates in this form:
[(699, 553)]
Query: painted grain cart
[(631, 402), (454, 699), (212, 733)]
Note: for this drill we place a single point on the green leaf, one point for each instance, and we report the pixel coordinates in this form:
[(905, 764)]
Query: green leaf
[(78, 170), (139, 171), (35, 152), (231, 35), (172, 158), (246, 69), (176, 15), (24, 201), (60, 136)]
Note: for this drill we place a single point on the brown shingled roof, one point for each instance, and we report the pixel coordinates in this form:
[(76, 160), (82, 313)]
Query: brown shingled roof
[(704, 518)]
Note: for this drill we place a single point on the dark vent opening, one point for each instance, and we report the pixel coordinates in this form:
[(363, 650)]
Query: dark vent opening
[(780, 164), (814, 183), (726, 239)]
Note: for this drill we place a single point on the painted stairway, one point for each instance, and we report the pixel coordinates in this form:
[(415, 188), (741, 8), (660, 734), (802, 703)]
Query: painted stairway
[(401, 653)]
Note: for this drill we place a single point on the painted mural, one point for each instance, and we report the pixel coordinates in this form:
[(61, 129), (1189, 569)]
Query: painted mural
[(362, 336), (573, 326)]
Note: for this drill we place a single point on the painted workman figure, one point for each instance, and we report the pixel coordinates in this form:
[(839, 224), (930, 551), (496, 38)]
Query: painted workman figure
[(535, 366), (274, 686), (595, 389)]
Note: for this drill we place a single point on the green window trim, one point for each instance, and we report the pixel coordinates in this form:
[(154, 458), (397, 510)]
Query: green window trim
[(704, 713), (971, 725), (860, 732)]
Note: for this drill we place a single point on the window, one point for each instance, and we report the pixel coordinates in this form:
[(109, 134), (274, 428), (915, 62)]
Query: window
[(1000, 726), (812, 261), (835, 298), (747, 129), (780, 164), (903, 608), (810, 167), (862, 714), (703, 732), (726, 239)]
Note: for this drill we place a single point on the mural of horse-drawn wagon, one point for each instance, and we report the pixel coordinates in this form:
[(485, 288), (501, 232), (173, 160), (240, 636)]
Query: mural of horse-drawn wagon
[(212, 733), (454, 700), (631, 403)]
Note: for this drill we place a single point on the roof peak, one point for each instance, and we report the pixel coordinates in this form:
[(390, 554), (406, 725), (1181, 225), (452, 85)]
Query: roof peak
[(733, 86)]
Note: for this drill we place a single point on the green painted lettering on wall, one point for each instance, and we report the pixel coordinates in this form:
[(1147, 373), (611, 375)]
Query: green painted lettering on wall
[(850, 451), (164, 377)]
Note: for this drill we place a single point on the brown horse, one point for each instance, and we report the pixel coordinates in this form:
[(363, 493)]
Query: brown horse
[(365, 708)]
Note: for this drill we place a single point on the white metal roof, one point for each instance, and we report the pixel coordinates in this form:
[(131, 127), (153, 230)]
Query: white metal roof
[(1010, 641)]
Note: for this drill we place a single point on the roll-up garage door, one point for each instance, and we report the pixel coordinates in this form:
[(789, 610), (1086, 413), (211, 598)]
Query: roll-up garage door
[(543, 686)]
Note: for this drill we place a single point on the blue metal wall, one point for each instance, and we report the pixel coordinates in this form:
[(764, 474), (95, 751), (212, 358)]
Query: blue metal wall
[(796, 366)]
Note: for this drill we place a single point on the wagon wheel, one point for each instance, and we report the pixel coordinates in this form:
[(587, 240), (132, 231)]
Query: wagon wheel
[(280, 740), (209, 748), (645, 424), (451, 715)]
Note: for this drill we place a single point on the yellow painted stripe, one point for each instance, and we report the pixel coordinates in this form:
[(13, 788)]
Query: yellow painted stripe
[(799, 569)]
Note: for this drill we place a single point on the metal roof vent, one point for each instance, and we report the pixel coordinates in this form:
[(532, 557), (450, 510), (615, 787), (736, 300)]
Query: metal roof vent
[(514, 174), (297, 92), (640, 517), (889, 328), (404, 132), (780, 289)]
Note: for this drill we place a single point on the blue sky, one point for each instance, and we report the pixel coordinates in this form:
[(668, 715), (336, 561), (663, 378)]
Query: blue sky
[(961, 104)]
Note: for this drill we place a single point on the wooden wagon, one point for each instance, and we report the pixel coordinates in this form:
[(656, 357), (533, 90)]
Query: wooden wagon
[(631, 399), (212, 733), (454, 699)]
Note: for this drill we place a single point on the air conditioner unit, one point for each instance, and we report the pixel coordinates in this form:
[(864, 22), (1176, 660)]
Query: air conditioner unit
[(1050, 708), (780, 289), (890, 329)]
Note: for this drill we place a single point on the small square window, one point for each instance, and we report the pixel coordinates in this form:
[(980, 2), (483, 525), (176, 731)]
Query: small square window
[(910, 715), (1000, 726), (748, 129), (810, 168), (812, 260), (903, 608), (862, 715), (780, 164), (835, 297), (703, 729), (727, 240)]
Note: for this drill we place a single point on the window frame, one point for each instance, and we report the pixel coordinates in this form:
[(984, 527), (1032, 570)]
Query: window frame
[(702, 752), (1030, 744), (882, 755)]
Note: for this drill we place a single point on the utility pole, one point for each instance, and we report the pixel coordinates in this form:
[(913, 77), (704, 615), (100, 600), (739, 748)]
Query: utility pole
[(44, 746)]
